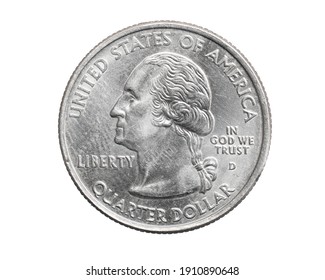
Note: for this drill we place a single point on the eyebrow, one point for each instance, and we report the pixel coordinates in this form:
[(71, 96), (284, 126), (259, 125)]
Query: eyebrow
[(130, 90)]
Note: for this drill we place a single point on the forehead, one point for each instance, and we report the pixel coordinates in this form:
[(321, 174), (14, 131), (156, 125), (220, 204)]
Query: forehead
[(140, 77)]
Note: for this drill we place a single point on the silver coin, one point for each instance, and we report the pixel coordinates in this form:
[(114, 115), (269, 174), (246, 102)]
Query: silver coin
[(164, 127)]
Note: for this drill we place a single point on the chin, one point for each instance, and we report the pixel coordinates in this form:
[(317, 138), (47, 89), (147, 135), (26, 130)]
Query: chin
[(124, 142), (119, 136), (119, 140)]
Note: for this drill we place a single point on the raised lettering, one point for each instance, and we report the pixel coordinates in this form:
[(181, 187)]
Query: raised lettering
[(136, 44), (226, 190)]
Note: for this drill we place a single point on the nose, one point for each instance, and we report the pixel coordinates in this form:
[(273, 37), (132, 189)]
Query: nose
[(117, 110)]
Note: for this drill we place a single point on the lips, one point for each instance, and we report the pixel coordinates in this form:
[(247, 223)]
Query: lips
[(119, 126)]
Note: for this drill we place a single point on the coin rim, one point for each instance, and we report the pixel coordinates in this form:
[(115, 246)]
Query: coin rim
[(266, 118)]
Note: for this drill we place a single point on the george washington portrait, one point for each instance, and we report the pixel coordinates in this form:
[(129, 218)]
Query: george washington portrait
[(166, 106)]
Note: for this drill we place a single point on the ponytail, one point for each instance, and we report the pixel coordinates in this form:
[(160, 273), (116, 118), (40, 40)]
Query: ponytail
[(206, 168)]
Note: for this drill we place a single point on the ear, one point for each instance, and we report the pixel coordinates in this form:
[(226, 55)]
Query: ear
[(166, 122)]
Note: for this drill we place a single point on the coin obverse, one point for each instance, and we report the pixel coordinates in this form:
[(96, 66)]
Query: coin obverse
[(164, 127)]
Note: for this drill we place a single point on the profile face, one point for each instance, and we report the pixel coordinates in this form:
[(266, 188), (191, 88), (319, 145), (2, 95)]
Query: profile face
[(165, 104), (133, 110)]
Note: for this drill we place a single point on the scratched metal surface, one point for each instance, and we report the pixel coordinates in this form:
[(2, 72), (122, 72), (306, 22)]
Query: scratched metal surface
[(164, 127)]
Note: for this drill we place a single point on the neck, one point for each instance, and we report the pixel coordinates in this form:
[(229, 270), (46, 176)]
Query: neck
[(162, 164)]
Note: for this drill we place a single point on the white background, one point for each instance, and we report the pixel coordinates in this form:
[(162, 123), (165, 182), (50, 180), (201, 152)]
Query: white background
[(49, 231)]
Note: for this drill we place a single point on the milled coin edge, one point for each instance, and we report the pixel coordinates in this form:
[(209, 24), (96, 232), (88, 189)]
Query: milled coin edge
[(266, 117)]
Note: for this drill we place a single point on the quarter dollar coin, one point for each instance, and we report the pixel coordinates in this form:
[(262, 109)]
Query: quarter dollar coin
[(164, 127)]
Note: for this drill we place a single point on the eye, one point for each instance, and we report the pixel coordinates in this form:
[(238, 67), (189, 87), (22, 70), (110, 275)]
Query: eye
[(131, 99), (130, 95)]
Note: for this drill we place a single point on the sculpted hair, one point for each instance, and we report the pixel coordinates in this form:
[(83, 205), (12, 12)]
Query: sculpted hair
[(182, 100)]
